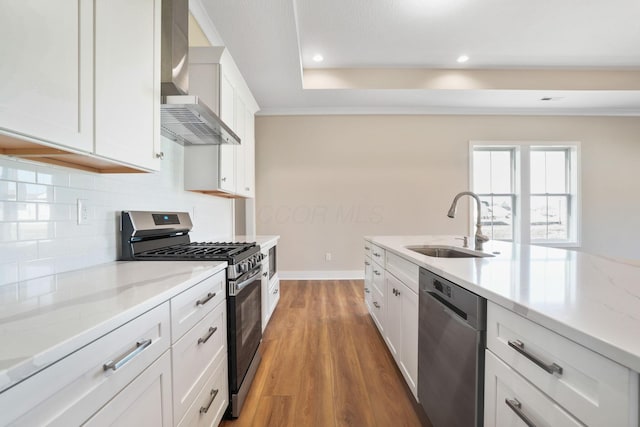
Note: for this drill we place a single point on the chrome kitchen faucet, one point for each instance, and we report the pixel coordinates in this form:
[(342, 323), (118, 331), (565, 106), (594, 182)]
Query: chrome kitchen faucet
[(479, 237)]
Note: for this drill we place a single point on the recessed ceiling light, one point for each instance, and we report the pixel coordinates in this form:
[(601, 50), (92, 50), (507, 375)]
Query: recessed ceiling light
[(462, 59), (318, 58)]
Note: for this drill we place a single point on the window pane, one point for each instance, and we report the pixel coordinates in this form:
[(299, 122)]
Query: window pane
[(556, 172), (549, 218), (501, 172), (548, 171), (482, 171), (538, 172), (497, 217)]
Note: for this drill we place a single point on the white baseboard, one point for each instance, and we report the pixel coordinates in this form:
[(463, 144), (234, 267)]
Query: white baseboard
[(321, 275)]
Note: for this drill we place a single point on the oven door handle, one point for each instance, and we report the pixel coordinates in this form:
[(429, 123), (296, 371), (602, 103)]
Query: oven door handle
[(253, 274)]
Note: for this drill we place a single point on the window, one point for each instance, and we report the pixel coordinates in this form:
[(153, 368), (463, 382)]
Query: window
[(528, 191)]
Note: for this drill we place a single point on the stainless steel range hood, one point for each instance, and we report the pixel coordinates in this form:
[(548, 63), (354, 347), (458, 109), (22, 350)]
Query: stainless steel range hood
[(184, 118)]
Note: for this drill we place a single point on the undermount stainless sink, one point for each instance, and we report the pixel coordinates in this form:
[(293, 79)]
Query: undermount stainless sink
[(447, 252)]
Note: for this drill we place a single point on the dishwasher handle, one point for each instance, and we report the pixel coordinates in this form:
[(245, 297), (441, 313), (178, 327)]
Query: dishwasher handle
[(450, 307)]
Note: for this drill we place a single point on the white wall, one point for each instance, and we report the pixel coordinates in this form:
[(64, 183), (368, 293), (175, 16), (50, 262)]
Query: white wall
[(39, 234), (323, 182)]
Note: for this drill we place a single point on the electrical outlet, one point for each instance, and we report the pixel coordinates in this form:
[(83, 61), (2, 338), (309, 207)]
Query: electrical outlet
[(327, 256), (83, 212)]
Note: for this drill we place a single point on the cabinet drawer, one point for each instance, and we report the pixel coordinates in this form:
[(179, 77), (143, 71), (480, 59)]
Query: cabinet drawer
[(367, 248), (194, 357), (274, 295), (74, 388), (190, 306), (378, 277), (378, 254), (147, 398), (404, 270), (378, 308), (502, 385), (212, 400), (593, 388)]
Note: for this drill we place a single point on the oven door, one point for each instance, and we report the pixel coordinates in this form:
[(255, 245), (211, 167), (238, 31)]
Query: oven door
[(244, 327)]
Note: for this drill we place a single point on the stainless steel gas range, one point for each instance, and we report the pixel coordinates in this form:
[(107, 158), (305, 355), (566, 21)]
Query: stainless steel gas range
[(154, 236)]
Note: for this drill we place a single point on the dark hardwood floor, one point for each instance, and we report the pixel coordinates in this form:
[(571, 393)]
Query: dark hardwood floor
[(325, 364)]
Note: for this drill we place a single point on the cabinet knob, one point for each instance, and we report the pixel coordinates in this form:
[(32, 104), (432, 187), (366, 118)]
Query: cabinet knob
[(160, 155), (223, 179), (247, 189)]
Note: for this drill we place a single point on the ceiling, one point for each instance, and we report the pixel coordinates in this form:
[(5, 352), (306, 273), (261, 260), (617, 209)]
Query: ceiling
[(273, 42)]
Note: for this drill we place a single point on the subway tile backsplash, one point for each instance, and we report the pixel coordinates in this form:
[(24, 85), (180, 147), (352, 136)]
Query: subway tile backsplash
[(39, 230)]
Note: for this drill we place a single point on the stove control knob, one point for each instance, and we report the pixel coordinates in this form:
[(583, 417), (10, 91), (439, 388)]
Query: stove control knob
[(244, 267)]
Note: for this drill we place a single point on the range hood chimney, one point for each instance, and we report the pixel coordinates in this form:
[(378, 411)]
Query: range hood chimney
[(184, 118)]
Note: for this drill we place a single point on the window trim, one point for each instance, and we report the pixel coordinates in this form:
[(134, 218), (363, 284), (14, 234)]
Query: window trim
[(521, 163)]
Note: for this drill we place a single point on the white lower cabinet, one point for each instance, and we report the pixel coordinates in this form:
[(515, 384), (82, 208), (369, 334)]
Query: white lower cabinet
[(592, 388), (210, 404), (166, 367), (199, 335), (269, 286), (393, 305), (144, 402), (195, 356), (70, 391), (368, 283), (401, 332), (510, 400)]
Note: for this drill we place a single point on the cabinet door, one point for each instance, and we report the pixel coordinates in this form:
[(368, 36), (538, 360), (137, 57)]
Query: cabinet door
[(144, 402), (227, 160), (393, 326), (368, 282), (264, 288), (127, 82), (241, 149), (46, 71), (245, 160), (509, 399), (250, 155), (409, 345)]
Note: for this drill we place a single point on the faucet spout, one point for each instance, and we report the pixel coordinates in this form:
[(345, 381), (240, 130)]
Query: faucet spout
[(479, 237)]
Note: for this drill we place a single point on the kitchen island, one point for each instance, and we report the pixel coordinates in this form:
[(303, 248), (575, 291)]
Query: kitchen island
[(575, 300)]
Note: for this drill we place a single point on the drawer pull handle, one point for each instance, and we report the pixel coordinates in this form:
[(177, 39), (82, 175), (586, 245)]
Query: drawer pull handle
[(276, 290), (117, 364), (206, 299), (366, 248), (206, 337), (376, 305), (376, 272), (517, 408), (204, 409), (366, 290), (367, 263), (518, 346), (265, 274), (377, 254)]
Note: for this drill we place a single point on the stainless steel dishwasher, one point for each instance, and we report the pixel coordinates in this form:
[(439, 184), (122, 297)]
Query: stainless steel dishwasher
[(451, 331)]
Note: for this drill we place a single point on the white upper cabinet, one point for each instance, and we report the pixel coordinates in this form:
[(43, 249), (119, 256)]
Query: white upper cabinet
[(127, 86), (80, 83), (46, 71), (227, 170), (228, 115)]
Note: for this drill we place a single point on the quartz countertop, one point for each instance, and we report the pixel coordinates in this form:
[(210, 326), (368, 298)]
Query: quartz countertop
[(592, 300), (43, 320)]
